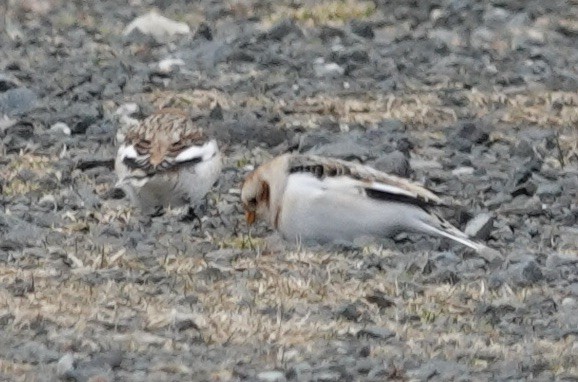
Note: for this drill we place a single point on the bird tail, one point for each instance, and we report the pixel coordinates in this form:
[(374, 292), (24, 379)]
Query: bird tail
[(441, 227)]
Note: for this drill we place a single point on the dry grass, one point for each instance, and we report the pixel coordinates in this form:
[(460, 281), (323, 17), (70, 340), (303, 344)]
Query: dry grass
[(285, 299), (554, 109), (33, 165), (325, 12)]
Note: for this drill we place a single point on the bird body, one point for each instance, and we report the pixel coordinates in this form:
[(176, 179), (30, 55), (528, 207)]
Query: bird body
[(311, 198), (166, 161)]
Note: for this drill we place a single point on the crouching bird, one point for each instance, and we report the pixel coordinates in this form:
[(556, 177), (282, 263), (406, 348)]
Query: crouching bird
[(166, 161), (311, 198)]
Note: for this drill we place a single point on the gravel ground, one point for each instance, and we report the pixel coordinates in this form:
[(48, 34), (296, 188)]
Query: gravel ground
[(476, 99)]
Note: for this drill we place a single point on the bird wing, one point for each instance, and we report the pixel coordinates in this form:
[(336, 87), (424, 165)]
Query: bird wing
[(352, 177)]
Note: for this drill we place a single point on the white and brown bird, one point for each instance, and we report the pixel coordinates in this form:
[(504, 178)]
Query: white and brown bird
[(165, 161), (310, 198)]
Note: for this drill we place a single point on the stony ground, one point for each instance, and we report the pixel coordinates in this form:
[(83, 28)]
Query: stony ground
[(478, 100)]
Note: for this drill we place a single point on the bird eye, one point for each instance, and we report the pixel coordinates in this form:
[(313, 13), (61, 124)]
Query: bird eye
[(252, 202), (177, 146)]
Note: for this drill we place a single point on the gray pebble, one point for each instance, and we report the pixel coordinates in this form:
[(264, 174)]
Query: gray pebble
[(362, 29), (65, 365), (344, 149), (17, 101), (480, 227), (395, 163), (328, 376), (271, 376), (552, 189)]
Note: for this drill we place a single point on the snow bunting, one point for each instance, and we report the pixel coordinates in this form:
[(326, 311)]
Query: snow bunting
[(166, 161), (311, 198)]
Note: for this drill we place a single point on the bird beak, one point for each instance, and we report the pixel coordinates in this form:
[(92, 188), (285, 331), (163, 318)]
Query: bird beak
[(250, 216)]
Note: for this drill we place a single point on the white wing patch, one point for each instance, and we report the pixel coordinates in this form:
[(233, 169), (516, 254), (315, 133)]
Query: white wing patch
[(204, 152), (127, 152), (391, 189)]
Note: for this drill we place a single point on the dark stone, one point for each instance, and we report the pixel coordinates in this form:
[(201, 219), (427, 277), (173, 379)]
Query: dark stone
[(380, 300), (467, 134), (523, 149), (7, 82), (362, 28), (395, 163), (216, 112), (204, 31), (350, 312), (283, 29), (528, 188), (532, 272), (376, 332)]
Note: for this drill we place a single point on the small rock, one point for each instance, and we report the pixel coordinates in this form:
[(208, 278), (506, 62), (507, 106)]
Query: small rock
[(450, 38), (527, 188), (271, 376), (300, 372), (468, 134), (461, 171), (480, 227), (439, 370), (33, 352), (424, 165), (8, 82), (81, 116), (350, 312), (60, 128), (569, 302), (552, 189), (216, 112), (504, 233), (395, 163), (65, 365), (251, 131), (492, 256), (524, 205), (157, 26), (381, 300), (204, 31), (498, 200), (327, 70), (168, 65), (182, 325), (526, 273), (283, 29), (350, 56), (362, 28), (532, 272), (523, 149), (364, 365), (17, 101), (127, 109), (89, 199), (390, 126), (555, 260), (344, 149), (328, 376), (376, 332)]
